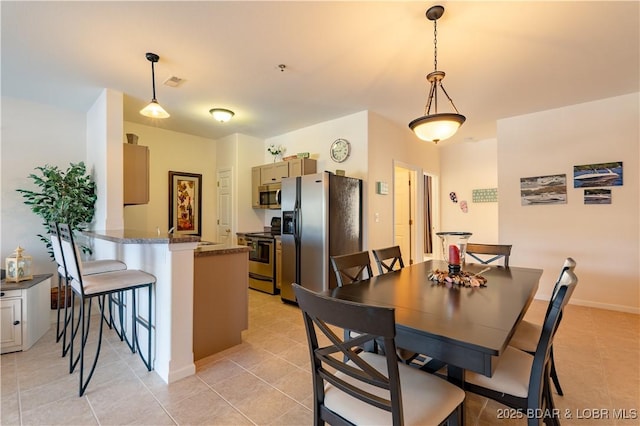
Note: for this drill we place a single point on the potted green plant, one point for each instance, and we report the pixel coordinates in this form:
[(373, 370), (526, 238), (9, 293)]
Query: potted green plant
[(64, 196)]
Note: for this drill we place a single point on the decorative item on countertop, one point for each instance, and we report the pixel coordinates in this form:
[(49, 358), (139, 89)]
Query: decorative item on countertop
[(18, 267), (276, 151), (454, 249)]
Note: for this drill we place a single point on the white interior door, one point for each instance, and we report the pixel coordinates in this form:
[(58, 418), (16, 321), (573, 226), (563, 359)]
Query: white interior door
[(404, 212), (225, 203)]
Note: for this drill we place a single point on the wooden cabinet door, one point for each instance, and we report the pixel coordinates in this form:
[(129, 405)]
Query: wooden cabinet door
[(136, 174), (273, 173), (11, 333), (255, 183)]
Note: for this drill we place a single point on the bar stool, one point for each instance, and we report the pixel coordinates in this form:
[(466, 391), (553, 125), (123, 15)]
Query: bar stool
[(88, 268), (99, 286)]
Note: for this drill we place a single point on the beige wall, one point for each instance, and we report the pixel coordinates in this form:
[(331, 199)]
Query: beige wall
[(466, 166), (176, 152), (603, 239)]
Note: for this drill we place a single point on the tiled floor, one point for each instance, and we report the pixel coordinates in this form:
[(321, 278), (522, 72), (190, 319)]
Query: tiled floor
[(265, 380)]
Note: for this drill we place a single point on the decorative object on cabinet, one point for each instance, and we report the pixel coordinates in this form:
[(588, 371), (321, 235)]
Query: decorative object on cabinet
[(276, 151), (24, 308), (340, 150), (18, 266), (593, 175), (153, 109), (67, 196), (437, 126), (136, 174), (132, 138), (221, 114), (550, 189), (185, 200)]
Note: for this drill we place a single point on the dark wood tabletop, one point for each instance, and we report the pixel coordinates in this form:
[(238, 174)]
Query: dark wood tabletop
[(468, 328)]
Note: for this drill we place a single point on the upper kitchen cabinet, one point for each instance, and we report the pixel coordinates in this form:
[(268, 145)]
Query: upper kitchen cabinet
[(136, 174), (301, 166), (272, 173), (255, 187)]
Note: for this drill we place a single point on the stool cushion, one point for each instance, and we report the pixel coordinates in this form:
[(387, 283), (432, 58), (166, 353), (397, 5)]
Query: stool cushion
[(91, 267), (113, 281)]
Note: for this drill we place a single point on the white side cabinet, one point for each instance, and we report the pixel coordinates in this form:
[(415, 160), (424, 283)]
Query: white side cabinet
[(24, 309)]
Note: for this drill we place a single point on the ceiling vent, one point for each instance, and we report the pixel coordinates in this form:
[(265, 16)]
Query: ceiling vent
[(173, 81)]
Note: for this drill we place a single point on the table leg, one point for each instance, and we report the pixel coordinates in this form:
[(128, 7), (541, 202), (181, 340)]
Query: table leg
[(455, 375)]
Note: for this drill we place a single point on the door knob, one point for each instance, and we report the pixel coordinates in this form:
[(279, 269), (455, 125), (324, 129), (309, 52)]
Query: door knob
[(16, 322)]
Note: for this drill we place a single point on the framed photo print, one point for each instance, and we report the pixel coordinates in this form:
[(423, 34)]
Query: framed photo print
[(185, 200)]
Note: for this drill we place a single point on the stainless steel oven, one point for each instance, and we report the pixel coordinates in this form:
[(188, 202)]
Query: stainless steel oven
[(262, 265)]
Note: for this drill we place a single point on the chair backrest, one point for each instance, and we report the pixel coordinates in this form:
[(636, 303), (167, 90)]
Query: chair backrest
[(339, 363), (388, 259), (497, 251), (54, 237), (563, 279), (559, 300), (350, 268), (71, 257)]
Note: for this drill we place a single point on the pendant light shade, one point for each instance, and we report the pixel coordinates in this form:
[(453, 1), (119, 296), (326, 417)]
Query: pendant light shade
[(153, 110), (437, 126)]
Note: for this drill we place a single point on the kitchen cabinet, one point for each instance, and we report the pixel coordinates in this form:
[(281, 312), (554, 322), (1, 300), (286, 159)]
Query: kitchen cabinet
[(136, 174), (273, 173), (301, 166), (255, 183), (24, 310)]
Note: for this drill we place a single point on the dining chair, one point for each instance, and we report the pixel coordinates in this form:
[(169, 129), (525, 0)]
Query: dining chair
[(480, 252), (88, 287), (388, 259), (521, 380), (89, 267), (528, 333), (351, 387), (352, 267)]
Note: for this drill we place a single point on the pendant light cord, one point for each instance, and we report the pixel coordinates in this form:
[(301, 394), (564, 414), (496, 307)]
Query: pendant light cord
[(153, 81)]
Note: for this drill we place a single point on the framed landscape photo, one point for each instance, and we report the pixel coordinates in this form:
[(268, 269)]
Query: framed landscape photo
[(185, 200)]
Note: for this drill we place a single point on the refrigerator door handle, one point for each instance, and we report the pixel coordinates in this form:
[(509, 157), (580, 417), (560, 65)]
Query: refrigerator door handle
[(296, 224)]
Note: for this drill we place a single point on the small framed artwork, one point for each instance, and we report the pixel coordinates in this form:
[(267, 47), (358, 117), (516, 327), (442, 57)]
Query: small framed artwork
[(594, 175), (597, 196), (185, 200)]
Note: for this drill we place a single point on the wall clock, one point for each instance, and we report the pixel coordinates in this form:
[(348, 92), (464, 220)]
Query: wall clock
[(340, 150)]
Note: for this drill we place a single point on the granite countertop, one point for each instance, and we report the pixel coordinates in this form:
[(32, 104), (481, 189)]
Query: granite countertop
[(218, 249), (22, 285), (132, 236)]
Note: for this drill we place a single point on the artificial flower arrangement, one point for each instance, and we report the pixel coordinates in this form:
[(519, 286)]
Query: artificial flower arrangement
[(275, 150)]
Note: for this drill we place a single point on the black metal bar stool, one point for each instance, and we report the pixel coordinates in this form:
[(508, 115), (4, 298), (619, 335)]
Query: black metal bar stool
[(100, 286), (88, 268)]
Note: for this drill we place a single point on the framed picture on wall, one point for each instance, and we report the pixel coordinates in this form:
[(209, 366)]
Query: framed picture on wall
[(594, 175), (185, 200)]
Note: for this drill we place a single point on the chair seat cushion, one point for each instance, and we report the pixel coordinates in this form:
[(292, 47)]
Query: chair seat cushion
[(426, 399), (526, 337), (91, 267), (113, 281), (511, 376)]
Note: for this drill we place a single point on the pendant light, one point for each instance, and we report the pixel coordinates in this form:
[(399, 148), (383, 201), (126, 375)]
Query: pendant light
[(153, 110), (437, 126)]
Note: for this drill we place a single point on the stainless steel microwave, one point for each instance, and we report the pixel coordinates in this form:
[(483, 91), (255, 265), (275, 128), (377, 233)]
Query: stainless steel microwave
[(270, 196)]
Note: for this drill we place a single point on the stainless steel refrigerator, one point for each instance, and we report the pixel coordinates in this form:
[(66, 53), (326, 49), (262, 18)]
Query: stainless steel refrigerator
[(321, 217)]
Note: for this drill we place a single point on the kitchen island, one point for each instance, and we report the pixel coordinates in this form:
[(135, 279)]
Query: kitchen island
[(171, 260)]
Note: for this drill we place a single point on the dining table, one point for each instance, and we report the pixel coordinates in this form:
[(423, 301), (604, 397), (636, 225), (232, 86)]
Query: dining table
[(467, 328)]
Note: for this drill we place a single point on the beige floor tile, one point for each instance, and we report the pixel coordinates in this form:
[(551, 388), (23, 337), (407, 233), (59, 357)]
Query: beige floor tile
[(205, 408), (69, 411)]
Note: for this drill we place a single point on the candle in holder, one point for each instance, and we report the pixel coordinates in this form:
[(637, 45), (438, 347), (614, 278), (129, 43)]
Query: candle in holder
[(454, 255)]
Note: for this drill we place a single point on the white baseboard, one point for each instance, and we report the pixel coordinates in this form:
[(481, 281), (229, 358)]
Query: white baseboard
[(606, 306)]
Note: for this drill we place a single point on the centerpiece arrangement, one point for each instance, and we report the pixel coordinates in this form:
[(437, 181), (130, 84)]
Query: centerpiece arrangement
[(454, 249), (276, 151)]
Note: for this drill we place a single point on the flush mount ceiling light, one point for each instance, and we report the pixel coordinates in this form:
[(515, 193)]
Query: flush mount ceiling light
[(153, 110), (221, 114), (437, 126)]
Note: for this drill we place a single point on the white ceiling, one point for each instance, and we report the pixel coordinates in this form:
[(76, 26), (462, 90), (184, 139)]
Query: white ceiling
[(501, 58)]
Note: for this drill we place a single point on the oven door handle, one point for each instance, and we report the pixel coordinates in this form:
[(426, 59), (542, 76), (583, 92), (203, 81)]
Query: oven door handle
[(259, 277)]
